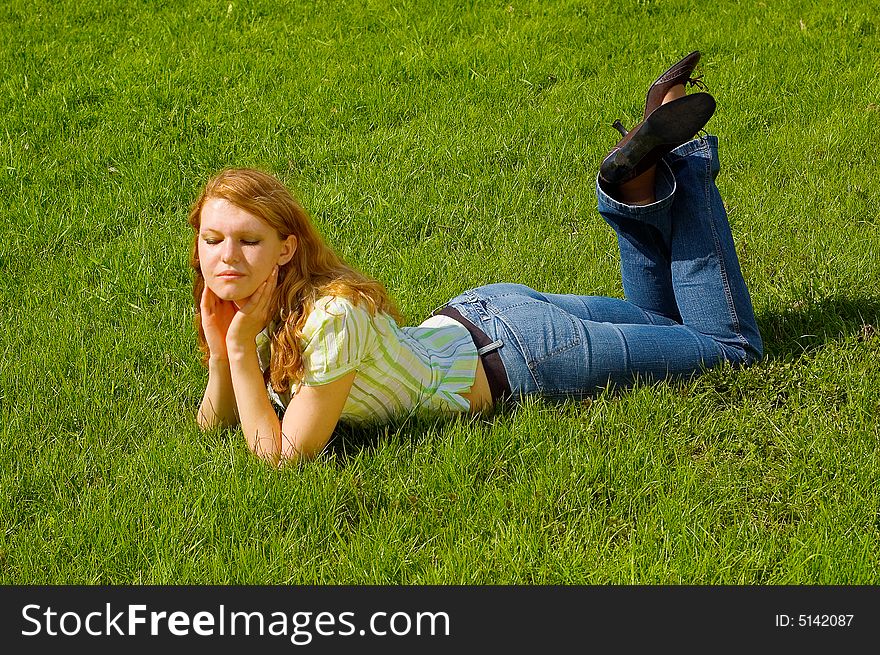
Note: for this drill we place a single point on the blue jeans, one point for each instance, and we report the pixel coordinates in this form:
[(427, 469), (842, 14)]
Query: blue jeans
[(687, 307)]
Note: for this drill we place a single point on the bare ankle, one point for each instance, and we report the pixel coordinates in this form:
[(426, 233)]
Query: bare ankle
[(674, 93)]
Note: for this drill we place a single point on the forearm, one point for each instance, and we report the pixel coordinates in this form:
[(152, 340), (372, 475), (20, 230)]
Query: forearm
[(218, 404), (259, 422)]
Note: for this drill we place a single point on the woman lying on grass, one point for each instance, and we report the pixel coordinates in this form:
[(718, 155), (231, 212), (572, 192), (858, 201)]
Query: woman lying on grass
[(295, 340)]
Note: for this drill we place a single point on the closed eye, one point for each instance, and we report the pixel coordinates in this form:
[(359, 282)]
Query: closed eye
[(212, 241)]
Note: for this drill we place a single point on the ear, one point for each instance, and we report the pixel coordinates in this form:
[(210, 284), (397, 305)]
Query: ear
[(288, 248)]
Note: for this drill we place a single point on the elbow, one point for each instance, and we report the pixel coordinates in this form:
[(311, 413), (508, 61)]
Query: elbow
[(286, 461), (272, 459), (292, 456), (294, 452), (266, 445), (204, 422), (270, 455), (207, 419)]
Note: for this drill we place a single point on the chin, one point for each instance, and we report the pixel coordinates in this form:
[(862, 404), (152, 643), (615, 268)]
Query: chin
[(227, 291)]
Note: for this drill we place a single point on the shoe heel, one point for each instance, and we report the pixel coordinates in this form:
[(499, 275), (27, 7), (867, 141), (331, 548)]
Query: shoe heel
[(667, 127)]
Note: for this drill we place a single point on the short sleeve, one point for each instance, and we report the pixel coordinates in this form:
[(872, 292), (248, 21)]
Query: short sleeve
[(337, 337)]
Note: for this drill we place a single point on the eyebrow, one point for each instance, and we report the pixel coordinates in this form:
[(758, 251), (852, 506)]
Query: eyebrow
[(245, 233)]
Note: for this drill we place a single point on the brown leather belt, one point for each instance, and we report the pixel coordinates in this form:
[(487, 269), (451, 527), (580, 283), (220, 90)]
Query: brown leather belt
[(499, 387)]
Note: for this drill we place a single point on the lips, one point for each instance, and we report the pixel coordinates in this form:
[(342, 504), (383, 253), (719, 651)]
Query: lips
[(230, 275)]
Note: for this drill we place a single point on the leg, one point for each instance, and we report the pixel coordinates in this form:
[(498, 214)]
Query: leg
[(678, 251), (709, 287), (602, 309), (644, 243), (677, 254), (554, 346), (643, 237), (555, 353)]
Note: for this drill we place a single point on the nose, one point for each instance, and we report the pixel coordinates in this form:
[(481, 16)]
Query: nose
[(229, 252)]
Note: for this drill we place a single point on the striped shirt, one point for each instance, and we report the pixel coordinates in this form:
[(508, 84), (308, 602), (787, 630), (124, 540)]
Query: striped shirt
[(401, 371)]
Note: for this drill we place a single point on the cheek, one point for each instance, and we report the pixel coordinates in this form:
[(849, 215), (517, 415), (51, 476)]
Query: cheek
[(204, 256), (261, 262), (210, 259)]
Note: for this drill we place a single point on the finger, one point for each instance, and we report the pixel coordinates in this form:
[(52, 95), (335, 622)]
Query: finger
[(269, 289), (212, 302), (260, 298), (205, 303), (253, 300)]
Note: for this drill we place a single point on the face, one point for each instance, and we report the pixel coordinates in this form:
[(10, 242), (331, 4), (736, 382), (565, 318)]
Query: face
[(237, 250)]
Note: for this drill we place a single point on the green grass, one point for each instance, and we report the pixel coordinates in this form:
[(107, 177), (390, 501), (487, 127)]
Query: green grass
[(439, 146)]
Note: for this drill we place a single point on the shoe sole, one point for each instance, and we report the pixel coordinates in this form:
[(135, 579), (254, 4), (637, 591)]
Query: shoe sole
[(668, 126)]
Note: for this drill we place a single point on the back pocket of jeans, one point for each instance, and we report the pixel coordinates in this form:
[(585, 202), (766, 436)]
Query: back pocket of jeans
[(543, 330)]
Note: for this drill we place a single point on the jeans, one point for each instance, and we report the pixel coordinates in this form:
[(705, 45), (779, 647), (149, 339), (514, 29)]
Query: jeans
[(687, 307)]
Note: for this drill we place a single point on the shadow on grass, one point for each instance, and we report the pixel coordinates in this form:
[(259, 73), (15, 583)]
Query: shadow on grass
[(811, 324), (350, 440)]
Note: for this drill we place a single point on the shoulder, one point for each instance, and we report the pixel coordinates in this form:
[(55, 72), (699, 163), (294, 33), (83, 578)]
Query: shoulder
[(335, 309), (338, 317), (337, 336), (336, 305)]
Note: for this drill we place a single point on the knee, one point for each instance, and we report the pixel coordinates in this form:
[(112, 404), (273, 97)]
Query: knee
[(750, 352), (754, 352)]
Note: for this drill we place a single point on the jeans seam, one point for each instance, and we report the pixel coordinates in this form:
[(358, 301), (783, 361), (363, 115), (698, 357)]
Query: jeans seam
[(522, 352), (725, 281)]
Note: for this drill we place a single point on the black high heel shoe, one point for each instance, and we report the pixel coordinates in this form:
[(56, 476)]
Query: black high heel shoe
[(665, 128)]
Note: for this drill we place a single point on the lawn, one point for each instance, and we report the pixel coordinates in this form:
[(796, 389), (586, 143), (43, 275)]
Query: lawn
[(439, 146)]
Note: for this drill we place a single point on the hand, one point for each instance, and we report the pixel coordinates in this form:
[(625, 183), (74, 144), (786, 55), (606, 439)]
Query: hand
[(251, 317), (217, 315)]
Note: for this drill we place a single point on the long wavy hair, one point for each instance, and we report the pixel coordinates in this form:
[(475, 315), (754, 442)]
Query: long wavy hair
[(313, 272)]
